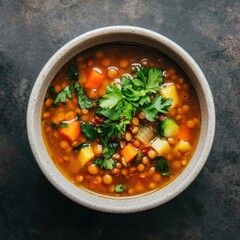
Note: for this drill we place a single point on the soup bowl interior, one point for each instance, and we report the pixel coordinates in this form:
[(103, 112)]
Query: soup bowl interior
[(132, 35)]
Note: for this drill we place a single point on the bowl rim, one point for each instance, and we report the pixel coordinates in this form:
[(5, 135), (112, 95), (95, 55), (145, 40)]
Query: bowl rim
[(97, 201)]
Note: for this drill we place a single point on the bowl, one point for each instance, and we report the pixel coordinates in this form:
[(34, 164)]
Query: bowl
[(135, 35)]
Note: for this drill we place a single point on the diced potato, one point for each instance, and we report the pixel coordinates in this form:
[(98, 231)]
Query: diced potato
[(162, 147), (183, 146), (170, 91), (85, 155)]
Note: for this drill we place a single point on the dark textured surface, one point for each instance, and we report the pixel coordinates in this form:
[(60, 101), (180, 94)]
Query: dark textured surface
[(31, 31)]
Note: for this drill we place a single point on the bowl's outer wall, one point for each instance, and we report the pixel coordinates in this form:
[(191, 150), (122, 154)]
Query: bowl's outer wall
[(131, 35)]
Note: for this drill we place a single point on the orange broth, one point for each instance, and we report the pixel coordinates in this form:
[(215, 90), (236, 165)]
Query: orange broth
[(126, 177)]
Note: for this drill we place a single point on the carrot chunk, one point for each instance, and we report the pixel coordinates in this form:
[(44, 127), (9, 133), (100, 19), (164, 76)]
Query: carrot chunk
[(129, 152), (95, 78), (71, 132), (184, 133)]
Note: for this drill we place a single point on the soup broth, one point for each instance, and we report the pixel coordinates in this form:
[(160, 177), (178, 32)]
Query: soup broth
[(121, 120)]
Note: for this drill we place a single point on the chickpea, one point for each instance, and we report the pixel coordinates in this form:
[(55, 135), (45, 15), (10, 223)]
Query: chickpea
[(191, 124), (135, 121), (145, 160), (48, 102), (116, 156), (84, 111), (142, 175), (111, 188), (57, 88), (79, 178), (48, 129), (107, 179), (128, 136), (151, 154), (139, 188), (186, 108), (140, 167), (97, 149), (151, 171), (118, 165), (124, 172), (92, 169), (46, 114), (135, 130), (171, 141), (98, 179), (142, 115), (106, 62), (157, 177), (152, 185), (115, 171), (112, 72), (136, 143), (99, 54), (123, 63), (176, 165), (131, 191), (64, 144)]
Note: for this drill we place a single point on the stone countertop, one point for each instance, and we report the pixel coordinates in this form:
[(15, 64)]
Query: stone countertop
[(31, 32)]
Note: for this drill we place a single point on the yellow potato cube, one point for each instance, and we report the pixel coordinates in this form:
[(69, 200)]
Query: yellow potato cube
[(170, 91), (85, 155), (162, 147), (183, 146)]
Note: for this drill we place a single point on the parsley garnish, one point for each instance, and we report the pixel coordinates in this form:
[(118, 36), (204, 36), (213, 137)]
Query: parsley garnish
[(80, 146), (106, 161), (89, 131), (162, 166), (119, 188), (63, 95), (63, 125), (83, 100)]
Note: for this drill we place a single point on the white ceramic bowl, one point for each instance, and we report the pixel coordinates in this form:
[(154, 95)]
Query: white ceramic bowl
[(130, 35)]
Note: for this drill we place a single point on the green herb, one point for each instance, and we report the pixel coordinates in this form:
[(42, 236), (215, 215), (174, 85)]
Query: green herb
[(109, 130), (63, 125), (106, 162), (63, 95), (133, 94), (51, 90), (111, 98), (119, 188), (73, 73), (52, 125), (89, 131), (80, 146), (159, 104), (83, 100), (162, 166)]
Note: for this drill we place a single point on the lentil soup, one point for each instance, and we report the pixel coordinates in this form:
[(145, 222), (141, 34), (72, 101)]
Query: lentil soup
[(121, 120)]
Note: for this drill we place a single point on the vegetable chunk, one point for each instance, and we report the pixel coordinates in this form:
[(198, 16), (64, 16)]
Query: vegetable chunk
[(95, 78), (71, 132), (85, 155), (171, 92), (162, 147), (129, 152)]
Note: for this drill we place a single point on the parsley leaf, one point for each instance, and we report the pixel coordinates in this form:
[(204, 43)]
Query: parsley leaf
[(80, 146), (159, 104), (63, 95), (63, 125), (162, 166), (111, 98), (73, 73), (119, 188), (108, 164), (89, 131), (83, 100), (155, 78)]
